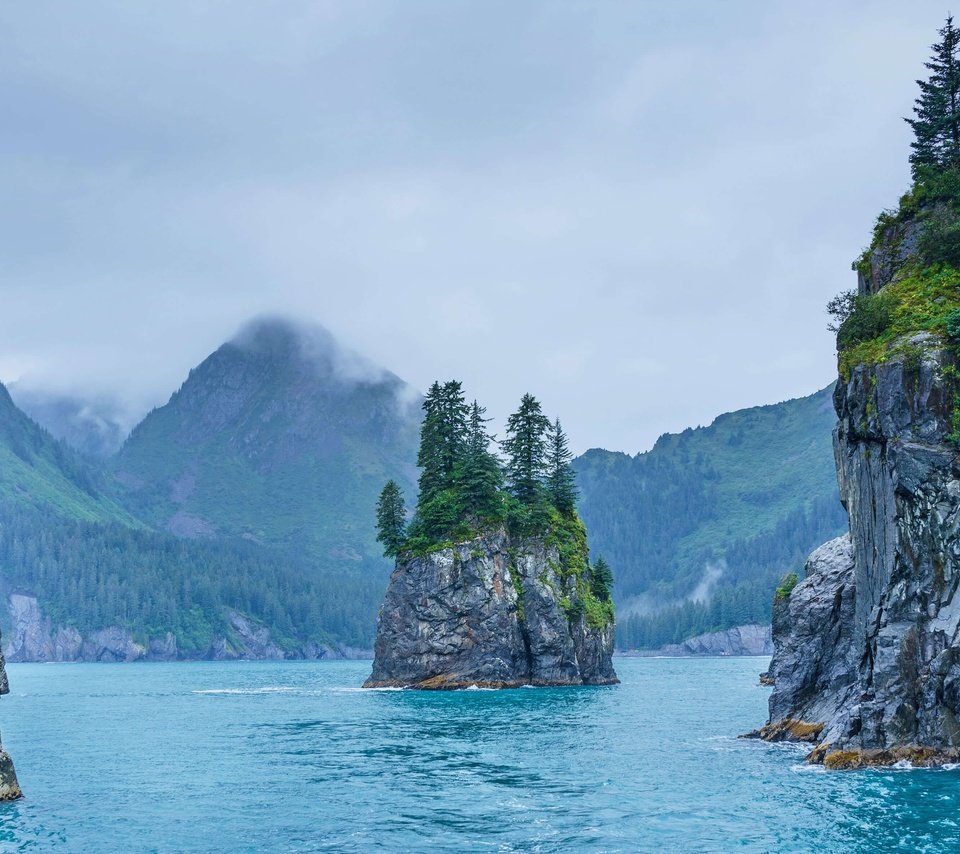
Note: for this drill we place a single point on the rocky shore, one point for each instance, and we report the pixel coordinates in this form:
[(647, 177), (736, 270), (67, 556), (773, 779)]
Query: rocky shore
[(738, 641), (34, 637)]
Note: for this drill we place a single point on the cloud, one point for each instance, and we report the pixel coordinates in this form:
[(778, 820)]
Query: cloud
[(635, 211)]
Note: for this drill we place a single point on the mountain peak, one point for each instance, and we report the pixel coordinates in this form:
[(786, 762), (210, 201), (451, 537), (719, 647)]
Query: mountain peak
[(305, 345), (281, 435)]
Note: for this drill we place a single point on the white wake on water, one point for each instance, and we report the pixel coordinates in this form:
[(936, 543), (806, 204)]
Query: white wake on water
[(267, 689)]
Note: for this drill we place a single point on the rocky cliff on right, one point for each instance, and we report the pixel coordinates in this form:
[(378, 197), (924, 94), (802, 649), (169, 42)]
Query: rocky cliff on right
[(866, 662), (866, 659)]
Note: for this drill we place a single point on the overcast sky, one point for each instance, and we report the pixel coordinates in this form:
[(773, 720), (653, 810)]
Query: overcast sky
[(635, 210)]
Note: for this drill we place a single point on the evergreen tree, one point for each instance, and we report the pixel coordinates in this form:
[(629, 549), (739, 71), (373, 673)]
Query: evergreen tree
[(525, 446), (443, 442), (391, 519), (601, 579), (936, 126), (442, 438), (431, 480), (481, 475), (561, 481)]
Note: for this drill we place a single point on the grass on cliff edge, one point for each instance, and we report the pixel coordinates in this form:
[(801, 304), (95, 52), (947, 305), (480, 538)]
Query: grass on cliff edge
[(921, 301)]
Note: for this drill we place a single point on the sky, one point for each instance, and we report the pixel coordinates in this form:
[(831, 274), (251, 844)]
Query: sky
[(636, 211)]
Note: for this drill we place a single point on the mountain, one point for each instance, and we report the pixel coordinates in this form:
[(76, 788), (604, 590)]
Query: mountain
[(94, 427), (37, 471), (700, 528), (238, 518), (280, 437), (237, 521)]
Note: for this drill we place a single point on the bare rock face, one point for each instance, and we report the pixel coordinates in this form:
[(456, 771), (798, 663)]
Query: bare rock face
[(868, 645), (900, 241), (9, 787), (811, 669), (492, 612), (740, 640), (255, 641)]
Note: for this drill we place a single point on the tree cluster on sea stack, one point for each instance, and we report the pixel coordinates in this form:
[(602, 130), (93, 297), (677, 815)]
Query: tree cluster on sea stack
[(465, 485)]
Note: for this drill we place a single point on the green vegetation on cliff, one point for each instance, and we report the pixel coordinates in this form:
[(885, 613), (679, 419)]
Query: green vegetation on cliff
[(879, 326), (909, 275)]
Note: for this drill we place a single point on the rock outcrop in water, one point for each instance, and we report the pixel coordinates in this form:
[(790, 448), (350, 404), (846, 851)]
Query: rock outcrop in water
[(867, 645), (9, 787), (492, 612)]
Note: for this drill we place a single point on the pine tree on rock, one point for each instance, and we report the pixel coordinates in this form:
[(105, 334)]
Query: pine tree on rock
[(442, 438), (936, 126), (601, 579), (525, 446), (443, 441), (561, 481), (481, 475), (391, 519)]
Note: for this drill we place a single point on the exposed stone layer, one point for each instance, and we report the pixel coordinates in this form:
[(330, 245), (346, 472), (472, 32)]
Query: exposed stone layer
[(493, 612), (34, 637), (868, 644)]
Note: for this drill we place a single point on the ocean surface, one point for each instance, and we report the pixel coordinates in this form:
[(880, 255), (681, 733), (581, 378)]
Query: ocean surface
[(294, 756)]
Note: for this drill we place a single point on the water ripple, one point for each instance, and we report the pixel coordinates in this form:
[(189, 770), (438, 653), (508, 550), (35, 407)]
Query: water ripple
[(294, 756)]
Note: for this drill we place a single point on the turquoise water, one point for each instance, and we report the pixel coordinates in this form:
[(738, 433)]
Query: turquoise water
[(292, 756)]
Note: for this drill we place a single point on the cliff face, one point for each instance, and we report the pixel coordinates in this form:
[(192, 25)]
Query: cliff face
[(492, 612), (867, 652)]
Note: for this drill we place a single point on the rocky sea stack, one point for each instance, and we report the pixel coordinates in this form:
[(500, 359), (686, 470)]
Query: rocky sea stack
[(494, 612), (866, 663), (493, 585)]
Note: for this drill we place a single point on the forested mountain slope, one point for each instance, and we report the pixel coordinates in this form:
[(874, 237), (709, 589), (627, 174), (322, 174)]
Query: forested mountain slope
[(38, 471), (251, 493), (700, 529)]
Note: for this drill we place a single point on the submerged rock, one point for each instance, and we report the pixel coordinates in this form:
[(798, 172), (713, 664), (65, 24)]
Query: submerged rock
[(492, 612), (867, 646)]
